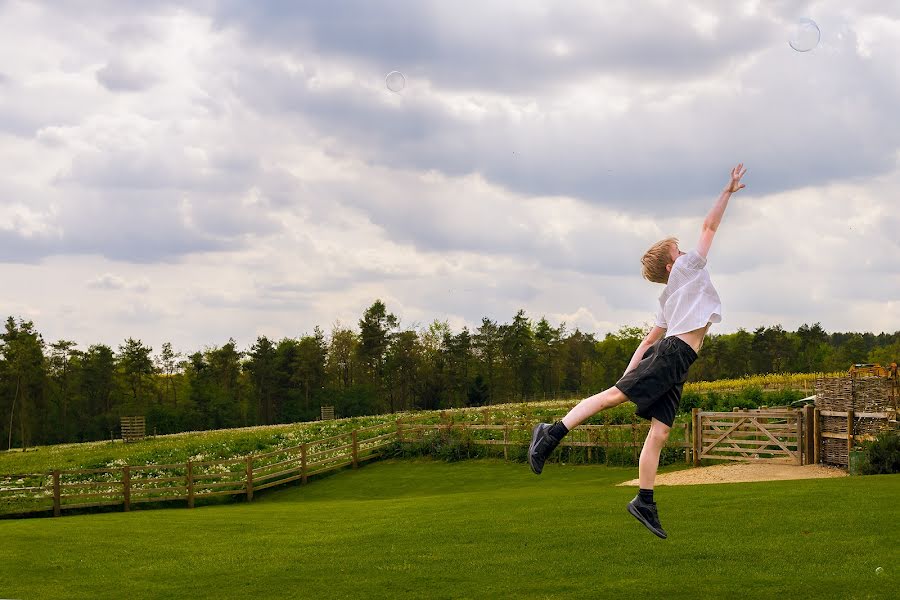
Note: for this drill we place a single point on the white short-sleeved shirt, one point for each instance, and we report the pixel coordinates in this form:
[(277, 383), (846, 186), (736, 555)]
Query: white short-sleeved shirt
[(689, 301)]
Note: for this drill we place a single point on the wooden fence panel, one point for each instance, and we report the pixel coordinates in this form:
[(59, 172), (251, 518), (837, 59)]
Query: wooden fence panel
[(760, 435), (133, 428)]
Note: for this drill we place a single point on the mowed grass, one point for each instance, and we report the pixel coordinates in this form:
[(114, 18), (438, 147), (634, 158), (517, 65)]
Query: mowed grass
[(420, 528)]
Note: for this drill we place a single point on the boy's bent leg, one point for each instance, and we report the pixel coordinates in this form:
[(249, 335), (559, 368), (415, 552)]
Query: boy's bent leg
[(545, 437), (592, 405)]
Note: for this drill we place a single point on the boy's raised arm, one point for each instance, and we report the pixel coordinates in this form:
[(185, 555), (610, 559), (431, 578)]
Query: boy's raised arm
[(711, 223)]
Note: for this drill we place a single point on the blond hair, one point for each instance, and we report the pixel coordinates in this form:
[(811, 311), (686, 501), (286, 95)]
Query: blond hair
[(655, 260)]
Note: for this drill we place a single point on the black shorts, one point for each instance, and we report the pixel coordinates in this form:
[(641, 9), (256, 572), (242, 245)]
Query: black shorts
[(655, 384)]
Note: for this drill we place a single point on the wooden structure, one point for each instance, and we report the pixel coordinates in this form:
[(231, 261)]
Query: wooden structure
[(327, 413), (133, 429), (763, 435), (853, 408)]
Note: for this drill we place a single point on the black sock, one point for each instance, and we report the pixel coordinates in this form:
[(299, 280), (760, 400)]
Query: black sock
[(558, 430), (647, 496)]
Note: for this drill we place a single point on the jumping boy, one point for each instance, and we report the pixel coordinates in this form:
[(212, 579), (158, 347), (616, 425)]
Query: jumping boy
[(656, 374)]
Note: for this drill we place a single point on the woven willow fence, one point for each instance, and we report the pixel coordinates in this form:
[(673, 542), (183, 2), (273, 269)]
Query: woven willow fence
[(187, 483), (852, 409)]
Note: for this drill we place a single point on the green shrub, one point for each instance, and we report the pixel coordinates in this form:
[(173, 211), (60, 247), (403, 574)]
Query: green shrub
[(882, 454), (752, 397), (784, 397), (690, 401), (671, 455), (712, 402)]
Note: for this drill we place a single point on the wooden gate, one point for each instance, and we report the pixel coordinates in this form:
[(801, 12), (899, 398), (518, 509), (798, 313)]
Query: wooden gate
[(767, 435)]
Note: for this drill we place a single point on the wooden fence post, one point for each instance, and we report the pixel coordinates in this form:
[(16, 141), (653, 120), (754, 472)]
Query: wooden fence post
[(465, 427), (849, 434), (126, 482), (634, 451), (249, 479), (817, 443), (303, 462), (190, 484), (355, 448), (590, 443), (809, 430), (606, 443), (695, 418), (801, 436), (687, 443), (56, 499), (505, 431)]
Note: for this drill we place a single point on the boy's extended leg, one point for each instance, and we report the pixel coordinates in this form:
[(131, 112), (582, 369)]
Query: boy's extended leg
[(653, 445), (643, 507), (545, 437)]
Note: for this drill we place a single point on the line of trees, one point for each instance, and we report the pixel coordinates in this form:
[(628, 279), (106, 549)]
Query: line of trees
[(59, 393)]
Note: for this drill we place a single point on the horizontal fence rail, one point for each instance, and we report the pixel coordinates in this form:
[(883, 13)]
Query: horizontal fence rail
[(190, 481)]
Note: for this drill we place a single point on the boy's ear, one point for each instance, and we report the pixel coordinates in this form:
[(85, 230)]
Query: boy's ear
[(669, 267)]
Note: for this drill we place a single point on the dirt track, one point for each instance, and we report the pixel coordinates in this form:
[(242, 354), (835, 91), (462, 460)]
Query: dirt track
[(740, 472)]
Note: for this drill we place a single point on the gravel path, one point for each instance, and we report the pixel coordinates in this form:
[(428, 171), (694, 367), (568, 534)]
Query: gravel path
[(743, 471)]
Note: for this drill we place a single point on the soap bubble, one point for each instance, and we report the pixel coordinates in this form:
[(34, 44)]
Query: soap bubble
[(395, 81), (805, 35)]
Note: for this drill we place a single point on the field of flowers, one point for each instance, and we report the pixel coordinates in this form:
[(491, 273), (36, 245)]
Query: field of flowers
[(770, 381), (220, 462)]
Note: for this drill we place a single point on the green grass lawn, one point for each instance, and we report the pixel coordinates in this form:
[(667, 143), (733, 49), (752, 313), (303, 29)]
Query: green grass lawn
[(474, 529)]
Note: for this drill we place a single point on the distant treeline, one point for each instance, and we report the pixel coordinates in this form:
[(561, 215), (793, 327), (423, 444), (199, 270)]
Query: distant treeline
[(59, 393)]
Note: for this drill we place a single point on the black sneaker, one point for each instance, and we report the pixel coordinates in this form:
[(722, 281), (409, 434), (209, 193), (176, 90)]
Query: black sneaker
[(646, 514), (542, 444)]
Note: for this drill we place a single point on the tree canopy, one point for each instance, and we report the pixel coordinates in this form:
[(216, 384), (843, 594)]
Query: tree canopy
[(59, 393)]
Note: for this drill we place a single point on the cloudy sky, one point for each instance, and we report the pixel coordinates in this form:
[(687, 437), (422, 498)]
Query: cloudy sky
[(194, 171)]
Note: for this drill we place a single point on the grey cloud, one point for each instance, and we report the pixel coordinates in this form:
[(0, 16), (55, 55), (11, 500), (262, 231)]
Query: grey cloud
[(18, 248), (119, 76), (133, 34), (161, 164), (447, 216), (781, 124), (139, 227), (497, 44)]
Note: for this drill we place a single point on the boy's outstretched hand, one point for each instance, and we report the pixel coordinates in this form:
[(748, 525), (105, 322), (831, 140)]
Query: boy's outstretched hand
[(736, 174)]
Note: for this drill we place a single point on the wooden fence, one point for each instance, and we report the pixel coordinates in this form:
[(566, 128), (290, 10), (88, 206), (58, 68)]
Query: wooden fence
[(193, 480), (188, 482), (851, 409), (518, 435), (790, 435)]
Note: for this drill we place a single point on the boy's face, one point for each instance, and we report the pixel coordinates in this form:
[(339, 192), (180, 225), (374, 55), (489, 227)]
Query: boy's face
[(674, 253)]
